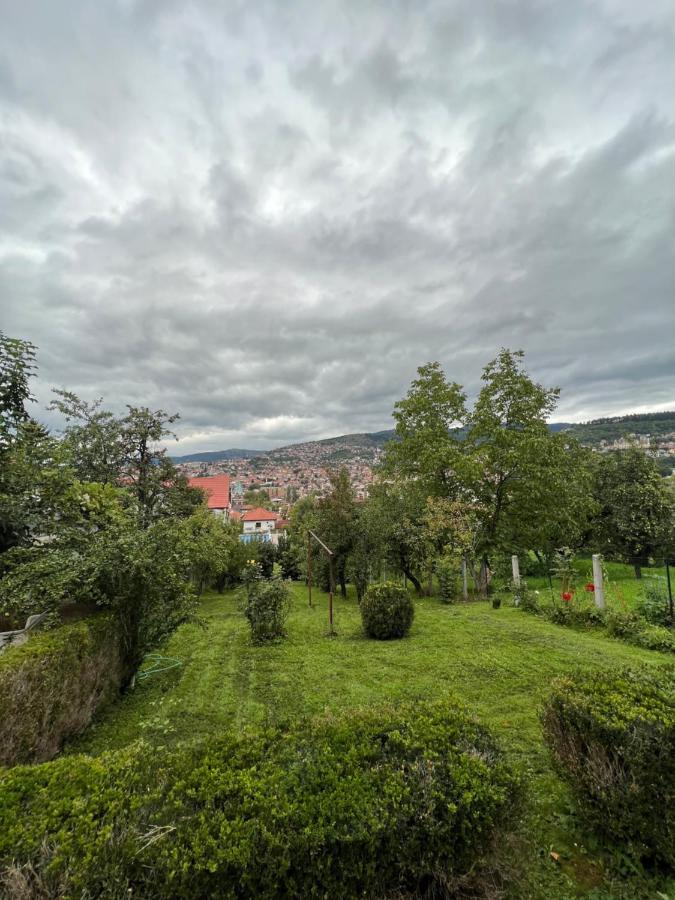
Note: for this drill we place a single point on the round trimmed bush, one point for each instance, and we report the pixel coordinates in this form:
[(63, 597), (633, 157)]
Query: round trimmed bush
[(387, 611)]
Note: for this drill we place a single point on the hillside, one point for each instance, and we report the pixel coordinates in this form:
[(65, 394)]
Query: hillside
[(612, 429), (367, 446)]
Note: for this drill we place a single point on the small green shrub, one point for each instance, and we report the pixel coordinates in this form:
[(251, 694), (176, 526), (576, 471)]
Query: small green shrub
[(387, 611), (449, 578), (655, 637), (367, 804), (523, 597), (623, 623), (613, 739), (51, 686), (654, 606), (576, 614), (267, 606)]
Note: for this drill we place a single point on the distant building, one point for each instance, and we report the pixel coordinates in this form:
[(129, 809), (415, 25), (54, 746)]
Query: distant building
[(218, 494), (259, 525)]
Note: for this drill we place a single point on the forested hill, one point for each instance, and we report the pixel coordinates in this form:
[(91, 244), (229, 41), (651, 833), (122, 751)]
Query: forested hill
[(611, 429), (366, 445)]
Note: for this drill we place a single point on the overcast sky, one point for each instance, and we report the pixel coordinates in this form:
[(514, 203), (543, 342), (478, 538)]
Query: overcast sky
[(266, 215)]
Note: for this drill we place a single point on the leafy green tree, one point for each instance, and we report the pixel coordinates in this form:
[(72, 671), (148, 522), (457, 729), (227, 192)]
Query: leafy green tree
[(524, 479), (17, 365), (428, 448), (399, 508), (635, 518), (94, 437), (258, 497), (266, 554), (288, 558), (336, 523), (217, 554), (304, 516), (35, 476)]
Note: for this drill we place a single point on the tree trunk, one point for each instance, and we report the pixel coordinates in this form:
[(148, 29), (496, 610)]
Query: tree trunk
[(483, 577), (416, 582), (637, 567)]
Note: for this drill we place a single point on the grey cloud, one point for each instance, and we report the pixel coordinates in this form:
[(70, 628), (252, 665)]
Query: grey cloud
[(266, 216)]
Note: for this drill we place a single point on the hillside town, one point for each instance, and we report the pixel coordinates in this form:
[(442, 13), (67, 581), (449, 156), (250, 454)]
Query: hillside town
[(289, 473)]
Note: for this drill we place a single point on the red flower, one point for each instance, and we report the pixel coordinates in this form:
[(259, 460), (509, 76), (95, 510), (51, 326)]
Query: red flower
[(590, 587), (567, 596)]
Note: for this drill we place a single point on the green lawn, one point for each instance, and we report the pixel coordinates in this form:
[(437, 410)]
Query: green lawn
[(499, 661)]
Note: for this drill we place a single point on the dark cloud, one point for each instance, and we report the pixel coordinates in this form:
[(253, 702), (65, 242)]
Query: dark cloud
[(267, 215)]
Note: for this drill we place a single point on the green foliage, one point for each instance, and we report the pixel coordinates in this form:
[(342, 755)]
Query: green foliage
[(266, 555), (387, 611), (217, 555), (336, 525), (654, 606), (16, 368), (447, 570), (428, 451), (405, 536), (613, 739), (362, 805), (257, 497), (523, 597), (51, 686), (142, 576), (635, 509), (288, 558), (267, 607), (529, 485)]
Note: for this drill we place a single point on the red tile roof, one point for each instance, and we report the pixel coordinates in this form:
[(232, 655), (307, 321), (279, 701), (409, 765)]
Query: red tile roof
[(217, 488), (259, 515)]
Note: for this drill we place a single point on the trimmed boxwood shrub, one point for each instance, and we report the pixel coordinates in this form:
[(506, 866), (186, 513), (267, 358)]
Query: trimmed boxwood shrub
[(613, 739), (387, 611), (51, 686), (361, 805)]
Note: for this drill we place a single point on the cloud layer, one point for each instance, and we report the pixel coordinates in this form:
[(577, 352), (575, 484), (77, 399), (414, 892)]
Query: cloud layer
[(266, 215)]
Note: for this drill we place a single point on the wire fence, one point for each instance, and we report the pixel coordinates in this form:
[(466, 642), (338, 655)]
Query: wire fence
[(630, 581)]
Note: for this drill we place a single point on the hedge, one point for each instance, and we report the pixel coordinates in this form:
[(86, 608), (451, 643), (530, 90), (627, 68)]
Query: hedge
[(51, 686), (613, 739), (361, 805)]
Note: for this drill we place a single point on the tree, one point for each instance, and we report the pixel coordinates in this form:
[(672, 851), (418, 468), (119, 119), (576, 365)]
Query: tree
[(304, 516), (336, 523), (635, 508), (288, 558), (94, 437), (259, 497), (35, 475), (399, 509), (521, 475), (427, 449), (17, 366)]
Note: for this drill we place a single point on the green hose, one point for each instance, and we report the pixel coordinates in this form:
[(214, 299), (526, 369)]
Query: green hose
[(157, 665)]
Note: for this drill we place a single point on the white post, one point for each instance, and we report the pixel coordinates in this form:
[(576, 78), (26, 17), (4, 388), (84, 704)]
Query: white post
[(465, 580), (515, 568), (597, 581)]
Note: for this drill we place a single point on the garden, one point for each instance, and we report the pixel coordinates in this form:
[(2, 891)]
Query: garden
[(443, 691)]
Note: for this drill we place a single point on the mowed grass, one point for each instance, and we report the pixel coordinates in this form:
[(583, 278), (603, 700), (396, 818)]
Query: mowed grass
[(501, 662)]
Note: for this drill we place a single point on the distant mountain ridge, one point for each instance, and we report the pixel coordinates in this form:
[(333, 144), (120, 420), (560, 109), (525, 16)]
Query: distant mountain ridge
[(367, 443)]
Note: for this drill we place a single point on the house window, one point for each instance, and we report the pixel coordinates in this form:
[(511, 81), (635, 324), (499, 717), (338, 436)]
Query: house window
[(258, 524)]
